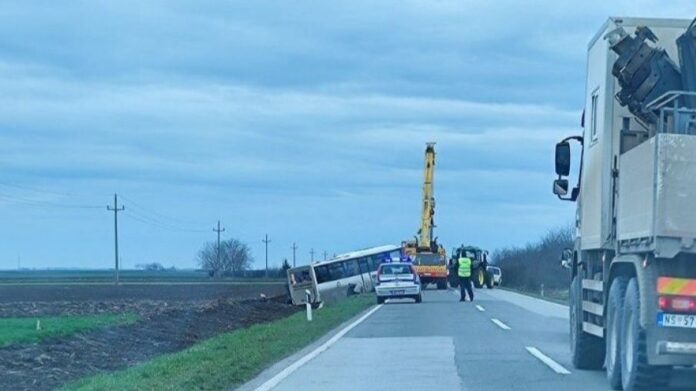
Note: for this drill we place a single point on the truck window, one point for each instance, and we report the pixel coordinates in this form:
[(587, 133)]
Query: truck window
[(593, 114)]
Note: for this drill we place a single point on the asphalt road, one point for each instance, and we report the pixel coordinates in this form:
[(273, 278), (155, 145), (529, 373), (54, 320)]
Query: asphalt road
[(501, 341)]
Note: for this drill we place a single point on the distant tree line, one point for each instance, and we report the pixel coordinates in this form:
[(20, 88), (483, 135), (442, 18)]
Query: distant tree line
[(152, 267), (537, 263)]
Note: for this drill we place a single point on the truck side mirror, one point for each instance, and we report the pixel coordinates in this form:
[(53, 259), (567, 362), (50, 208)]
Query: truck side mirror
[(563, 159), (560, 187), (567, 258)]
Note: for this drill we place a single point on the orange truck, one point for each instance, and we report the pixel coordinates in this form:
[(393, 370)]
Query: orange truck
[(430, 266)]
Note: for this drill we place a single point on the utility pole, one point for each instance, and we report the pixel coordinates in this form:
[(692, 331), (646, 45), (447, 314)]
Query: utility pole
[(218, 230), (116, 209), (311, 252), (294, 249), (266, 241), (325, 255)]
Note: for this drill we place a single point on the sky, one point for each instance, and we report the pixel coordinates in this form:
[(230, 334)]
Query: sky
[(303, 120)]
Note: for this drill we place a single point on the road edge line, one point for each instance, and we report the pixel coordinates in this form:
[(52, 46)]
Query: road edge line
[(556, 367), (480, 308), (290, 369)]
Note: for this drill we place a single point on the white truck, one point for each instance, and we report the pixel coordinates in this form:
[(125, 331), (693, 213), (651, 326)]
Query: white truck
[(633, 266)]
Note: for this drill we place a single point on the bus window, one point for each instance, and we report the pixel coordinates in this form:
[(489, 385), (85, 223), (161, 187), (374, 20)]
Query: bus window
[(336, 271), (350, 268), (322, 273), (363, 266), (374, 262)]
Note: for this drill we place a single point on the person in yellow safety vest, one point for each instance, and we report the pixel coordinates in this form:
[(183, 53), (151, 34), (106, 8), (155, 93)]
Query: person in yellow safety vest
[(464, 272)]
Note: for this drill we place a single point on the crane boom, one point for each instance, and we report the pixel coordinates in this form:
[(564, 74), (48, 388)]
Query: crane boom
[(425, 233), (429, 257)]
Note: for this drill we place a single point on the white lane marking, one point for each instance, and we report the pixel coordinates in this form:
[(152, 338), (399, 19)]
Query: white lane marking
[(558, 368), (275, 380), (478, 307), (500, 324)]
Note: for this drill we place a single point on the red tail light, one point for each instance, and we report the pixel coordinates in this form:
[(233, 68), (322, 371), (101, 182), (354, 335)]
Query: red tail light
[(663, 302), (677, 303)]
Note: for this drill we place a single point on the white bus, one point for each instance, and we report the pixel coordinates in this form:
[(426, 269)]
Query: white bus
[(331, 279)]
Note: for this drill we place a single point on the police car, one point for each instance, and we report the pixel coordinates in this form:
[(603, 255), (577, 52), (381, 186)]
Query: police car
[(397, 280)]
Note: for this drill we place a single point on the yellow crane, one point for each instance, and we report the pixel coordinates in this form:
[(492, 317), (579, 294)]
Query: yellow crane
[(427, 255), (425, 240)]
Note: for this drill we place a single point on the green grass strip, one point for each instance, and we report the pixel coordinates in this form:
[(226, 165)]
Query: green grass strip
[(24, 329), (229, 359)]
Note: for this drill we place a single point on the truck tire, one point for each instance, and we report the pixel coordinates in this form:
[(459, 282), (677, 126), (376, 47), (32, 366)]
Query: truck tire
[(380, 300), (478, 278), (419, 298), (489, 280), (587, 350), (442, 284), (614, 314), (636, 373)]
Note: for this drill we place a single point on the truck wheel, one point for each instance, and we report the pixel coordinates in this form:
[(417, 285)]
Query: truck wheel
[(479, 278), (380, 300), (442, 284), (489, 280), (614, 313), (419, 298), (586, 349), (636, 374)]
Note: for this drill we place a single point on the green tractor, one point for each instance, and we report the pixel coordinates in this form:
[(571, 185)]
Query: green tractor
[(480, 275)]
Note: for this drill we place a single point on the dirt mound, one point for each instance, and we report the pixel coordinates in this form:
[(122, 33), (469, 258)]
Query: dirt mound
[(58, 361)]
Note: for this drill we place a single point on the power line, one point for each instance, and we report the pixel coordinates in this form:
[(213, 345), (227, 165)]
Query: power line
[(148, 216), (34, 202), (141, 218), (157, 215), (35, 189)]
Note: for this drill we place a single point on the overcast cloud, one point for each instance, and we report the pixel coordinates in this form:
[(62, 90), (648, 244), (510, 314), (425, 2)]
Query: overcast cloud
[(305, 120)]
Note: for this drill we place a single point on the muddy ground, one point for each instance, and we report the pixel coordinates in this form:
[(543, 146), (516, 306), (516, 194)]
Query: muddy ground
[(164, 329), (145, 291)]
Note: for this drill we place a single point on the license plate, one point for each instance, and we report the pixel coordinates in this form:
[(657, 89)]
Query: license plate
[(399, 292), (676, 320)]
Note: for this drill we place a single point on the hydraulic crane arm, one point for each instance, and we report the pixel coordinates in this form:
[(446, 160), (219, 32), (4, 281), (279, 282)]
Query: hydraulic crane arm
[(425, 233)]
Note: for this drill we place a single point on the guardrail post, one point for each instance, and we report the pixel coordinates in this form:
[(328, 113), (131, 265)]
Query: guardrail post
[(308, 304)]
